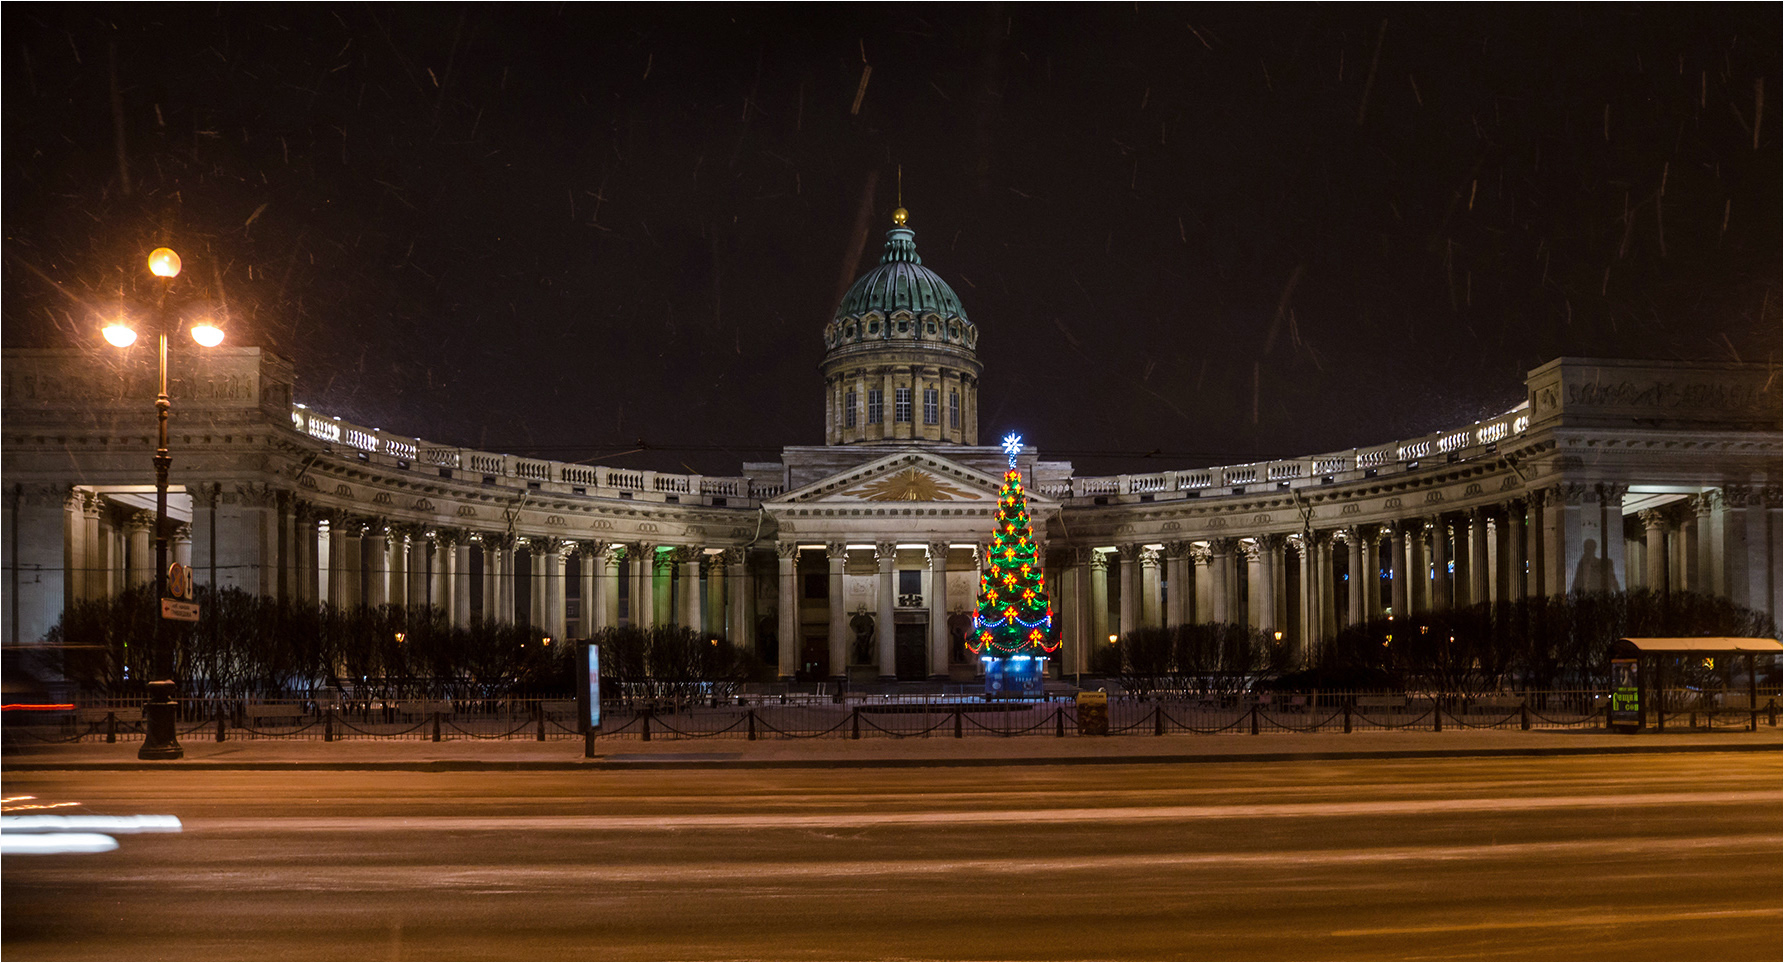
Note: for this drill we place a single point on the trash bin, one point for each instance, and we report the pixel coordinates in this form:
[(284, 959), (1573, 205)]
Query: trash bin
[(1093, 713)]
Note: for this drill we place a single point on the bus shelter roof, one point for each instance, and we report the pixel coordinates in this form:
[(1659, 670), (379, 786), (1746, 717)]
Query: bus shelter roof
[(1713, 644)]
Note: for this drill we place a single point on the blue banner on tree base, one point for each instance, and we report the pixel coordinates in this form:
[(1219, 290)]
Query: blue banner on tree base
[(1017, 677)]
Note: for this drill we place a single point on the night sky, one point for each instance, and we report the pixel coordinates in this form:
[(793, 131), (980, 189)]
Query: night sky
[(1205, 233)]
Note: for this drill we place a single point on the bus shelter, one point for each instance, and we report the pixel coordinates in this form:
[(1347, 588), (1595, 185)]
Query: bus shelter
[(1639, 679)]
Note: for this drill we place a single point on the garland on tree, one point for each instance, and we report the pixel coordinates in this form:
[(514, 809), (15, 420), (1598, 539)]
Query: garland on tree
[(1014, 616)]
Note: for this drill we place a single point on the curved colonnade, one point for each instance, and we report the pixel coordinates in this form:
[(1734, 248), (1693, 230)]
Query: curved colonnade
[(862, 560)]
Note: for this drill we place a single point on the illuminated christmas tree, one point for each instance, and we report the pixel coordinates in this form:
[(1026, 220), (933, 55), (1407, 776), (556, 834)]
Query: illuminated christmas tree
[(1013, 625)]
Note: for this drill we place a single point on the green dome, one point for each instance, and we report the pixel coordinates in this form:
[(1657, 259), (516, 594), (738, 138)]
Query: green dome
[(900, 283)]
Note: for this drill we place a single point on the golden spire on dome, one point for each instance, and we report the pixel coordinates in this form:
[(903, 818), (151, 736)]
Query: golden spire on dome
[(900, 215)]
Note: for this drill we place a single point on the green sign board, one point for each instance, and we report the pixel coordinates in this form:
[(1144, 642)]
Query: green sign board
[(1626, 693)]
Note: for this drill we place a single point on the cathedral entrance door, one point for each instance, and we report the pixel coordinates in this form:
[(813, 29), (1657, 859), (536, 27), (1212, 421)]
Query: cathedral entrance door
[(814, 659), (908, 648)]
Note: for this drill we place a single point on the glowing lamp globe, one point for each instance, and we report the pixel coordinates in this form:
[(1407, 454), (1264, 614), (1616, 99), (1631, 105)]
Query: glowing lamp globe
[(119, 334), (164, 263), (207, 334)]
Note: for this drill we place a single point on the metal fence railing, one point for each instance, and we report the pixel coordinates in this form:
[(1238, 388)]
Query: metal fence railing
[(814, 715)]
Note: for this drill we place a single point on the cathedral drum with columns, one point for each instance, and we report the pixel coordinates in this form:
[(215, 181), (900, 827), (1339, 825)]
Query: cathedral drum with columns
[(862, 558)]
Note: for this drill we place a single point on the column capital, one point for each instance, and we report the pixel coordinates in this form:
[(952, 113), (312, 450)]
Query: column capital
[(1200, 554), (590, 548), (1611, 493), (1149, 557), (1251, 550), (1177, 549), (1772, 496), (1653, 518), (1223, 546), (836, 551), (140, 521), (1737, 496), (733, 555), (885, 552), (1099, 561), (938, 553), (787, 551)]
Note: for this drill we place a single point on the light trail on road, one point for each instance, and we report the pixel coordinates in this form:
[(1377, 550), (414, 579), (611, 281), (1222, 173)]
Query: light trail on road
[(1594, 858)]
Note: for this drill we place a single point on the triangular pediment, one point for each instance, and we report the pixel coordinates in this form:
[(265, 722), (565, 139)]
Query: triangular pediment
[(915, 476)]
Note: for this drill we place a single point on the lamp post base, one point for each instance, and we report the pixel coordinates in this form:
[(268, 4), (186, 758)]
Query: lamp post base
[(159, 717)]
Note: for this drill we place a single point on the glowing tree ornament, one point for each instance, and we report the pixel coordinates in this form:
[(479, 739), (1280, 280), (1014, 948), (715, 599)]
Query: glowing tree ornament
[(1013, 622)]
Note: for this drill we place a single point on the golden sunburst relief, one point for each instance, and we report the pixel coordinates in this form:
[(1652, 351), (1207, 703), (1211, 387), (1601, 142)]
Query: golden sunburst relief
[(910, 485)]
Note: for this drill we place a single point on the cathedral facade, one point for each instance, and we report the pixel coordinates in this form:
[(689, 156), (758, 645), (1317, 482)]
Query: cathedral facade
[(859, 558)]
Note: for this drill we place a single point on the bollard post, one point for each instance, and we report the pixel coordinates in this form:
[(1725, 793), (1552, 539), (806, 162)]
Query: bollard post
[(855, 723), (436, 725), (1158, 720), (219, 723), (588, 743), (1524, 716), (1254, 718), (328, 724), (752, 715), (1437, 714), (1347, 717), (539, 710), (111, 726), (644, 720), (1059, 722), (957, 732)]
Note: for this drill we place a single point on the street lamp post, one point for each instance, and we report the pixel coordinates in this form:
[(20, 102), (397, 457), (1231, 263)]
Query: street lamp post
[(161, 737)]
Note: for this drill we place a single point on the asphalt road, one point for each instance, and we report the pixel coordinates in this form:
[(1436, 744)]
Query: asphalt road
[(1624, 858)]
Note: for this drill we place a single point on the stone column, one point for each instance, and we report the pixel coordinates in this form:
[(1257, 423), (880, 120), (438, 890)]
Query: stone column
[(736, 625), (938, 609), (1269, 562), (1177, 584), (1130, 589), (1517, 580), (642, 563), (556, 610), (1075, 627), (713, 621), (836, 554), (788, 553), (180, 545), (1307, 634), (399, 566), (461, 582), (1252, 617), (90, 573), (1371, 538), (1480, 571), (1150, 592), (1441, 579), (1099, 598), (309, 573), (1399, 592), (1353, 582), (140, 548), (662, 575), (885, 556), (690, 586), (586, 604), (1740, 571), (340, 576), (1418, 589), (1654, 530), (1535, 551), (1202, 558), (377, 556), (489, 547), (1328, 587), (1221, 584), (603, 605), (415, 567)]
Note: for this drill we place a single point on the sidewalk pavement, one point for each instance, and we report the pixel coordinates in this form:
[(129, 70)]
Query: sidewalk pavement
[(661, 753)]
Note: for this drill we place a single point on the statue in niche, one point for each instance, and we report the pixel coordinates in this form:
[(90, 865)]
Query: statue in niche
[(862, 625)]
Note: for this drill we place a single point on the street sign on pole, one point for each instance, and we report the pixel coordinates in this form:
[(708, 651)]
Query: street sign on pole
[(179, 610), (179, 580)]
